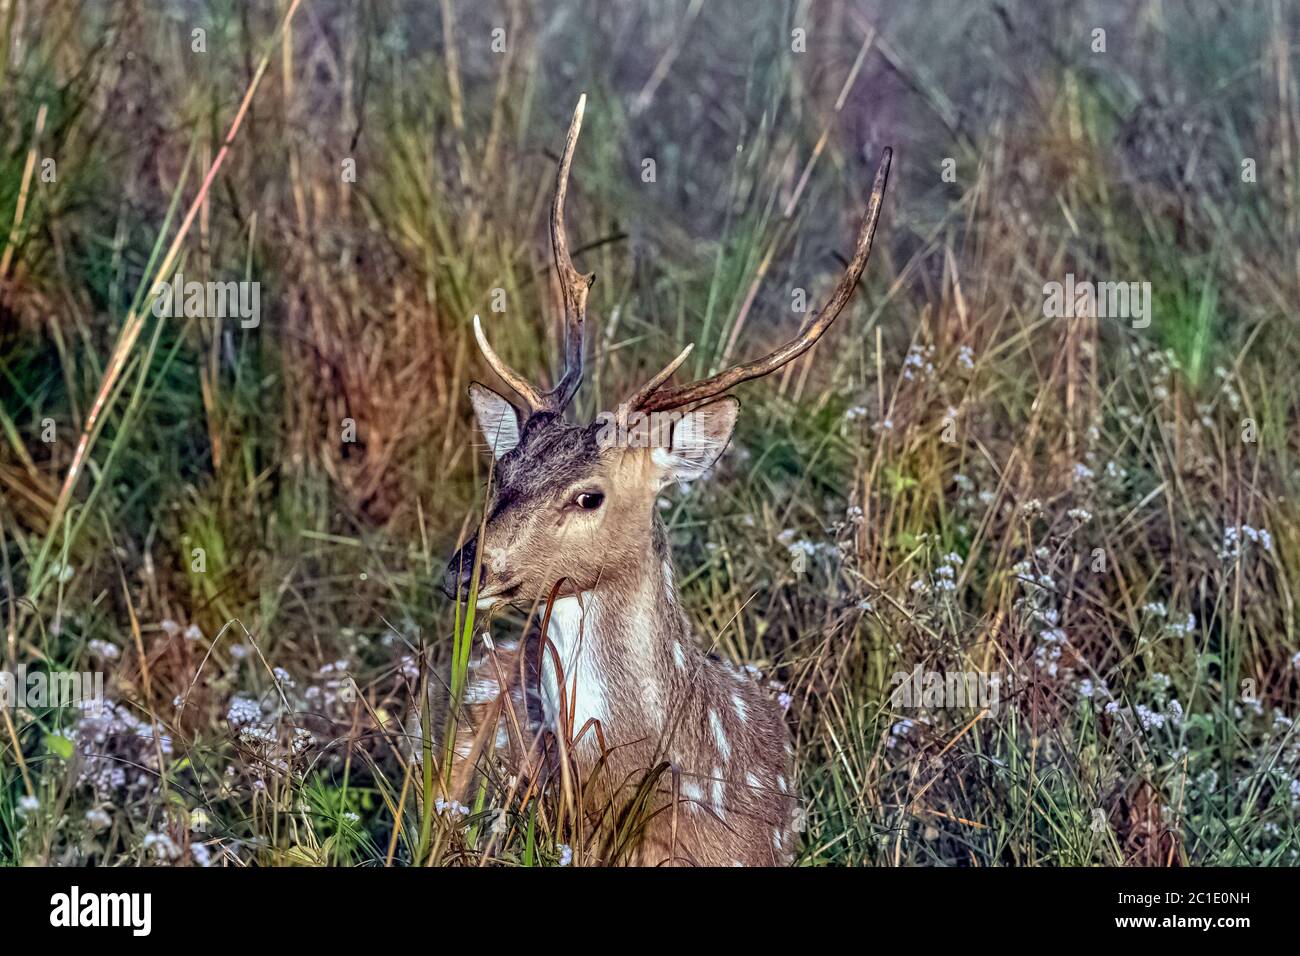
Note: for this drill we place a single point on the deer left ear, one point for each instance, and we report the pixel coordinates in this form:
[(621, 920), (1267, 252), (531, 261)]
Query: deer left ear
[(698, 440), (497, 419)]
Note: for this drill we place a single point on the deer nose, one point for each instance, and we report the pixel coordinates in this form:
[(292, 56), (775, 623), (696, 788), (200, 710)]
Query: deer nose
[(460, 570)]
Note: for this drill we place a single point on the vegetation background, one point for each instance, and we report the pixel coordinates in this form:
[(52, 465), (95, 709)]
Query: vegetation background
[(1100, 519)]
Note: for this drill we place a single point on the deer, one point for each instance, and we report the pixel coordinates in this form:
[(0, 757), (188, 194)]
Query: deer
[(613, 680)]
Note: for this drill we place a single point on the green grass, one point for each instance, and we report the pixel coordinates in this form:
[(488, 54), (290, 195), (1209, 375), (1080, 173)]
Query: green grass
[(1117, 167)]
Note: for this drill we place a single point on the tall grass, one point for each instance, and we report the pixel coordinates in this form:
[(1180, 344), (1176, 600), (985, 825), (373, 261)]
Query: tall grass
[(1099, 518)]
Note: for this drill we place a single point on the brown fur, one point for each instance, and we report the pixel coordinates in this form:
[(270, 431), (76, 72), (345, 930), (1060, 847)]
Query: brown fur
[(706, 739)]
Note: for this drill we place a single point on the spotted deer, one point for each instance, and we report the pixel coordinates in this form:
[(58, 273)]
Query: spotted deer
[(692, 750)]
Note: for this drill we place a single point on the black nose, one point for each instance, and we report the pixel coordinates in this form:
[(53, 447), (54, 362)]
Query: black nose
[(460, 569)]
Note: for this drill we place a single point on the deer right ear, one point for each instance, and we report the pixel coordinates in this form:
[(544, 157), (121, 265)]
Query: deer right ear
[(497, 419), (698, 439)]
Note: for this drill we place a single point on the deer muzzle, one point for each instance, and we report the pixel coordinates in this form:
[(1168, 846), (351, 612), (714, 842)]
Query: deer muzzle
[(460, 571)]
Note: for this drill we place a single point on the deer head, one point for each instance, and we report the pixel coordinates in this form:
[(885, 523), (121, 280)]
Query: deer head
[(576, 503)]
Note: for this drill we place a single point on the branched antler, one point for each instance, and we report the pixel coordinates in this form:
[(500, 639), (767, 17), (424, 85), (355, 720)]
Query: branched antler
[(573, 288), (653, 396), (573, 284)]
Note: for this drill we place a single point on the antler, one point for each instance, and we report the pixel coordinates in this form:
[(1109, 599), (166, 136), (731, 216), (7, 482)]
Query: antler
[(573, 287), (654, 397), (573, 284)]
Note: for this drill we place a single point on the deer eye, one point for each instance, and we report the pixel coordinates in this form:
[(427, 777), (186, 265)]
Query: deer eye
[(589, 500)]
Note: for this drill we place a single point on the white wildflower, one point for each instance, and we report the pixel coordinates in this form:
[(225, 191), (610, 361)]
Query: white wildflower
[(104, 650), (243, 710), (898, 731), (1150, 719), (161, 847), (98, 818)]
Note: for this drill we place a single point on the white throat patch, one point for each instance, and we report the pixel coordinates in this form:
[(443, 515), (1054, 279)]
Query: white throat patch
[(571, 631)]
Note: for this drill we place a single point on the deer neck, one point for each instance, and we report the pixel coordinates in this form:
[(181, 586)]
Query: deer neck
[(621, 645)]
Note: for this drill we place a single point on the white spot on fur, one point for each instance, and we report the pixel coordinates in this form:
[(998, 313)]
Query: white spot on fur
[(780, 782), (719, 735), (719, 791), (481, 691), (668, 575), (495, 559), (751, 778), (679, 656), (776, 839), (692, 792), (739, 704), (503, 736)]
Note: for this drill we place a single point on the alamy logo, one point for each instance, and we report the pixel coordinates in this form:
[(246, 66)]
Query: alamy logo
[(626, 428), (36, 690), (209, 300), (936, 689), (72, 909), (1100, 300)]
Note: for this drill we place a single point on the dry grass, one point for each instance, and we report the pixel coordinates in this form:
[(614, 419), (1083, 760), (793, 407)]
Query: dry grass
[(1084, 472)]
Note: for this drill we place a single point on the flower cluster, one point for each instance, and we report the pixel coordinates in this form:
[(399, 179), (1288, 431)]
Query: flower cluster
[(1237, 538), (917, 362), (943, 580), (119, 755), (450, 808), (267, 731)]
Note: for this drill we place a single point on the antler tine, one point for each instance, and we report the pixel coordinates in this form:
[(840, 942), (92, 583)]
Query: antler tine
[(654, 399), (573, 284), (650, 387), (512, 378)]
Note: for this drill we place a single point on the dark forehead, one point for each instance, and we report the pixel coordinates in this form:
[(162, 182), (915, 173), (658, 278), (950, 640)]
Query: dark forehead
[(550, 455)]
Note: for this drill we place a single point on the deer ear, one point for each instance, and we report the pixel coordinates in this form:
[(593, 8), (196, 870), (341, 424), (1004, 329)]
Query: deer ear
[(497, 419), (698, 439)]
